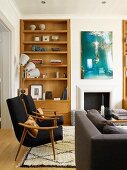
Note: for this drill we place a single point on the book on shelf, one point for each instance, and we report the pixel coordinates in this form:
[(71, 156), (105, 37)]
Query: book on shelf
[(56, 98), (55, 61)]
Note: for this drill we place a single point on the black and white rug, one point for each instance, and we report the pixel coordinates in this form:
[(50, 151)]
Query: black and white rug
[(42, 156)]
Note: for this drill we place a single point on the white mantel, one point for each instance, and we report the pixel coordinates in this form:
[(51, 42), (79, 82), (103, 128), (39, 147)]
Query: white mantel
[(82, 89)]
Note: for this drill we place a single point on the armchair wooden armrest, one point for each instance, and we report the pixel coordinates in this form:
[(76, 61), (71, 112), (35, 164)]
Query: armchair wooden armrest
[(45, 117), (36, 113), (37, 127), (41, 118)]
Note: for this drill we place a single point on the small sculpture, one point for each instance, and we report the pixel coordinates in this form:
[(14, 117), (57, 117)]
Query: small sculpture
[(42, 26), (32, 27)]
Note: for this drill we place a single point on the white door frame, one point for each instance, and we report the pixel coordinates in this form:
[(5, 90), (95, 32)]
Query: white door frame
[(9, 65)]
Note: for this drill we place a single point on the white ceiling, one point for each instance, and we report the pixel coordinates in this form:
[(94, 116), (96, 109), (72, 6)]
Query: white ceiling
[(73, 7)]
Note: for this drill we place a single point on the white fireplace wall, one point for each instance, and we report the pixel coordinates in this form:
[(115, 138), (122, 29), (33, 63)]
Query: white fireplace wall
[(78, 85)]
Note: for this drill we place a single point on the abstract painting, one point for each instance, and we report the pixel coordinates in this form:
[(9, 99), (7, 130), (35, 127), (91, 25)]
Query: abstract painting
[(96, 55)]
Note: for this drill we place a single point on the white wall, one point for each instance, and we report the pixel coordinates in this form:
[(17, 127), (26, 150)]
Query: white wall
[(77, 84), (9, 18)]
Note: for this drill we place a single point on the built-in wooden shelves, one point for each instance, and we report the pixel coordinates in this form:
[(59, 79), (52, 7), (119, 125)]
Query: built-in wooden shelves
[(57, 85), (124, 41)]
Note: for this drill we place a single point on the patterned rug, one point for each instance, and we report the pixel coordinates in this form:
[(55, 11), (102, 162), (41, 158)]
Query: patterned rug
[(42, 156)]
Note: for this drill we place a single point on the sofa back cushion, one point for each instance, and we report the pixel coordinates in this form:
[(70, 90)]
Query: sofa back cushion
[(96, 118), (113, 130)]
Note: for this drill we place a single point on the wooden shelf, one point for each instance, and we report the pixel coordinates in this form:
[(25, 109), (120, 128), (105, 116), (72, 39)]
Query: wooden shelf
[(45, 52), (52, 100), (42, 42), (45, 31), (45, 79), (51, 65)]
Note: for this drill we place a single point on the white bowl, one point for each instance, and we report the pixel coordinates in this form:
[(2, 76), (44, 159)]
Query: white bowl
[(32, 27), (42, 26)]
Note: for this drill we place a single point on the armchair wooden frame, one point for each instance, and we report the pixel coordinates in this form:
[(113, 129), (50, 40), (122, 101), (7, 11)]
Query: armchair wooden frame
[(26, 127)]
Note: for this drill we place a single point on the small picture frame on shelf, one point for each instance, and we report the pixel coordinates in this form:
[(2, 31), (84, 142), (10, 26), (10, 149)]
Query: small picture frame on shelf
[(46, 38), (48, 95), (36, 91)]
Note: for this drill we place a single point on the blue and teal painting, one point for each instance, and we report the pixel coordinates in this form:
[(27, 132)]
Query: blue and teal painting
[(96, 55)]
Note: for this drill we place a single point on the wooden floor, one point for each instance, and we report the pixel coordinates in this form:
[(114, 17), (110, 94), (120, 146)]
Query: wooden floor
[(8, 148)]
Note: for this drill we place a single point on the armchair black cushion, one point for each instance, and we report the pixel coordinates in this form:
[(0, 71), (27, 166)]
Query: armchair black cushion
[(30, 106)]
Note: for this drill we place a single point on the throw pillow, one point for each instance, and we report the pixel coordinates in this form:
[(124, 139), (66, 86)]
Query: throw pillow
[(32, 132), (40, 111), (96, 118), (113, 130)]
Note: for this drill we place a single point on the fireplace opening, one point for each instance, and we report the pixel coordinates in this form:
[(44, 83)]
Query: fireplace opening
[(94, 100)]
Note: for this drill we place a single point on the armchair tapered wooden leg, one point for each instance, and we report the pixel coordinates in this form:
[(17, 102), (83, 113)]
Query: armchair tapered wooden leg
[(21, 142), (52, 141)]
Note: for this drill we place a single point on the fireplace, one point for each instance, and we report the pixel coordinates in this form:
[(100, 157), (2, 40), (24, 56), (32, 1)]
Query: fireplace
[(94, 100), (109, 96)]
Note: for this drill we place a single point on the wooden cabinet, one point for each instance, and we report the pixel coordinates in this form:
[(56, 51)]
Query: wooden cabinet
[(124, 40), (51, 46)]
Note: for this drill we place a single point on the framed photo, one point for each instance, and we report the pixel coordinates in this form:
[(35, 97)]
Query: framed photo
[(46, 38), (36, 91), (96, 55), (48, 95)]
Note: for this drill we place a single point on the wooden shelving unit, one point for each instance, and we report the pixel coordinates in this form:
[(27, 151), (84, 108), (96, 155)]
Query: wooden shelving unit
[(60, 28), (124, 40)]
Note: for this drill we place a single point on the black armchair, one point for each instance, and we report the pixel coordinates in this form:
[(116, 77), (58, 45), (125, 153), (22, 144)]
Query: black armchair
[(19, 118), (32, 110)]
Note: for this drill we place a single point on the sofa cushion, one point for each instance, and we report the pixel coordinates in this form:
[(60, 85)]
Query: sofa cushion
[(113, 130), (96, 118)]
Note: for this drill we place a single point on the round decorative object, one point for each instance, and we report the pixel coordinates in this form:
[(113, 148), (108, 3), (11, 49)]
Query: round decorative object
[(32, 27), (55, 37), (42, 26)]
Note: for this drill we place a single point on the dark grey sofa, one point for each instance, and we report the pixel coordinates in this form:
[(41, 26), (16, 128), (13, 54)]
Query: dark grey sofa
[(97, 151)]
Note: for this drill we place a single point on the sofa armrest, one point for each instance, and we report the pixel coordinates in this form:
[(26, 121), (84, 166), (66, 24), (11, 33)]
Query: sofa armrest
[(109, 151), (84, 130)]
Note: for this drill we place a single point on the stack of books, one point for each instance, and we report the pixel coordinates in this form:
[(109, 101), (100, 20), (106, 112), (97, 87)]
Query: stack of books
[(55, 61)]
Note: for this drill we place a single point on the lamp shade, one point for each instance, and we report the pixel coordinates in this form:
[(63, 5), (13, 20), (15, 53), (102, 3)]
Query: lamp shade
[(24, 59), (34, 73), (30, 66)]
